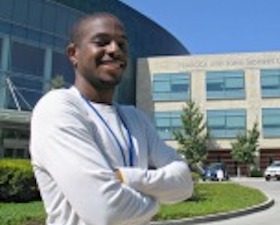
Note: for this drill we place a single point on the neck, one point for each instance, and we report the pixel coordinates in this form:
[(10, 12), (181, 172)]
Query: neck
[(104, 96)]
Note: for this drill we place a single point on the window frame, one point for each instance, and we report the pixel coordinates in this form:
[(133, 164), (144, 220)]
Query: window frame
[(271, 90), (269, 124), (224, 80), (227, 128), (171, 82), (171, 121)]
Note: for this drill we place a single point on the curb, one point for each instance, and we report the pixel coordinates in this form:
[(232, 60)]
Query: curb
[(219, 216)]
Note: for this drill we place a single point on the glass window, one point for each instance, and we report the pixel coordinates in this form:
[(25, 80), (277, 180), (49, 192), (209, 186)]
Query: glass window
[(24, 99), (22, 81), (35, 13), (59, 41), (34, 35), (18, 30), (62, 66), (161, 86), (1, 47), (27, 59), (6, 9), (23, 91), (11, 133), (20, 11), (48, 39), (61, 25), (20, 153), (48, 17), (226, 123), (225, 85), (271, 122), (270, 83), (171, 87), (5, 27), (167, 122), (8, 153), (15, 153)]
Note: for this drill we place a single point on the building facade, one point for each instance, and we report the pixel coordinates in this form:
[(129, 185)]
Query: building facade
[(233, 92), (33, 37)]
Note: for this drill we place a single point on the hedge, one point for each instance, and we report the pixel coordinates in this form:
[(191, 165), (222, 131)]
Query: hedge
[(17, 182)]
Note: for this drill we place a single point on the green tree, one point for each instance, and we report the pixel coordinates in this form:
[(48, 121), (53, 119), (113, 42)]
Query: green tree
[(194, 136), (57, 82), (243, 149)]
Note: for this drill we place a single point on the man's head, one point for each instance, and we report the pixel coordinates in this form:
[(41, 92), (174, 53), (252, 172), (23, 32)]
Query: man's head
[(98, 50)]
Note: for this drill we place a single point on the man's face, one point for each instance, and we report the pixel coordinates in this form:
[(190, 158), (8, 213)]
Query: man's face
[(101, 55)]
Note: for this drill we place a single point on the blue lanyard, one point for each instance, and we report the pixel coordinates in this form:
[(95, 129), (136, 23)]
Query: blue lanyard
[(131, 147)]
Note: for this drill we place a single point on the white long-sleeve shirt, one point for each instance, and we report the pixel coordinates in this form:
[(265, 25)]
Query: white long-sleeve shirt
[(74, 157)]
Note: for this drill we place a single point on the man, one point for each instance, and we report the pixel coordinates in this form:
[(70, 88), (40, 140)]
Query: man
[(91, 156)]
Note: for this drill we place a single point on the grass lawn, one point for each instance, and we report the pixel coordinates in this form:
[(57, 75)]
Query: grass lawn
[(209, 198), (213, 198), (31, 213)]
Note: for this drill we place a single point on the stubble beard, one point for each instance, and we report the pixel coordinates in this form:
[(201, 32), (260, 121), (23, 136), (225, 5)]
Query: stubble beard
[(102, 85)]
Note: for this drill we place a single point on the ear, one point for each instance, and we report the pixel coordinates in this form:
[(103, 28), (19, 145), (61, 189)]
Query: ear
[(71, 53)]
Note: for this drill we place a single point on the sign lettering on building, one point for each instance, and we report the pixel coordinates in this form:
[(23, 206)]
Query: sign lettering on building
[(202, 64)]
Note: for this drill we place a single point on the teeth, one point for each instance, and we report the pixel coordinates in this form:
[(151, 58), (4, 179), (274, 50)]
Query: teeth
[(114, 63)]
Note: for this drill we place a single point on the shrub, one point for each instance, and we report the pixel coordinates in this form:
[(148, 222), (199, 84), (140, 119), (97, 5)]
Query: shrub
[(256, 173), (17, 182)]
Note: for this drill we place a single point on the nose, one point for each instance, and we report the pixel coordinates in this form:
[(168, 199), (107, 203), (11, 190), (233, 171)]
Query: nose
[(114, 46)]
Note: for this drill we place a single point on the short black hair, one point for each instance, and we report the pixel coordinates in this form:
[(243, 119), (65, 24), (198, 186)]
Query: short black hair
[(76, 31)]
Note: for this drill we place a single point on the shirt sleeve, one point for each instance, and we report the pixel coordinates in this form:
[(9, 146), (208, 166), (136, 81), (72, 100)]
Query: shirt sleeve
[(171, 179), (63, 144)]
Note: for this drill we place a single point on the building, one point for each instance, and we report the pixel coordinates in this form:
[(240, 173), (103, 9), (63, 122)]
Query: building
[(232, 91), (33, 36)]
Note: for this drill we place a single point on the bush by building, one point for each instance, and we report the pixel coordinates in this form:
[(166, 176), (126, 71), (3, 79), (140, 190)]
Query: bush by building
[(17, 182), (256, 173)]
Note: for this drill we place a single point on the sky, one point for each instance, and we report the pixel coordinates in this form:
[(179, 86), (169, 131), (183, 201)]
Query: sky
[(217, 26)]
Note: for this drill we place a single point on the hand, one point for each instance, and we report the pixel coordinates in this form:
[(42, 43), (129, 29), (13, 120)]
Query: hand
[(119, 175)]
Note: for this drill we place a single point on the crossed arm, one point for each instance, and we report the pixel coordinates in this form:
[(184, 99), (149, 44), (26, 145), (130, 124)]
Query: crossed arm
[(65, 151), (170, 181)]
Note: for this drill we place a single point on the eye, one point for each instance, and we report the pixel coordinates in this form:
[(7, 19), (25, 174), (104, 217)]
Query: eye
[(104, 40), (123, 45), (101, 42)]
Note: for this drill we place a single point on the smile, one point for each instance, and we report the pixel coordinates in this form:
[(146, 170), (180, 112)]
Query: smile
[(117, 64)]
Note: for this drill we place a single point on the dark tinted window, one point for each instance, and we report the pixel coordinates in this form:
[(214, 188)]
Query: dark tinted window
[(6, 7), (35, 13), (1, 44), (27, 59), (48, 18), (62, 66), (23, 101), (20, 11)]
